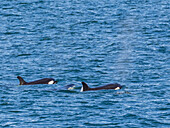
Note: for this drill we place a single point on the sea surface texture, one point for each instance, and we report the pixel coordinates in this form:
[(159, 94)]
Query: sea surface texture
[(95, 41)]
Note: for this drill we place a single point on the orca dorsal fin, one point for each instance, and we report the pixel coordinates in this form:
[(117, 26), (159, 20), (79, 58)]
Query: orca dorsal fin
[(21, 80), (85, 87)]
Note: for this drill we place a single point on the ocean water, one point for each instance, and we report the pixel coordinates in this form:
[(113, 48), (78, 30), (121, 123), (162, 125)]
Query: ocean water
[(95, 41)]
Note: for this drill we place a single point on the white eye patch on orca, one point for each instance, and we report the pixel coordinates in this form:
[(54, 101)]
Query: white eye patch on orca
[(51, 82), (117, 88)]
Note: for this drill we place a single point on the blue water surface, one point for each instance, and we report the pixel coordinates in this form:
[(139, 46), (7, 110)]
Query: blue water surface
[(95, 41)]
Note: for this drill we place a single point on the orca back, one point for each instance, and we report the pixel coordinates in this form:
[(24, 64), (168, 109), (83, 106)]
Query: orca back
[(114, 86), (41, 81)]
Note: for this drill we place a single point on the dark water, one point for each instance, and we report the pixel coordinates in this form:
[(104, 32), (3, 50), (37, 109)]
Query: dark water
[(98, 42)]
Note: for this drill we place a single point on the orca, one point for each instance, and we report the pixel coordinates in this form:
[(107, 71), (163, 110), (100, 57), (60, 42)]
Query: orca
[(41, 81), (67, 87), (114, 86)]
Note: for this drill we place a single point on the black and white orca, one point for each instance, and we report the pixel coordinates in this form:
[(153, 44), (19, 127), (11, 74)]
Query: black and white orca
[(114, 86), (41, 81), (67, 87)]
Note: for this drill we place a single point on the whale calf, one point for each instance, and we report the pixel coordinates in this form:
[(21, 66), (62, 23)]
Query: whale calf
[(67, 87), (114, 86), (40, 81)]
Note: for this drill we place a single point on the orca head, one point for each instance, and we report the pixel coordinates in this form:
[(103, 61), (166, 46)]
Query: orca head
[(117, 88), (71, 87), (52, 82)]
